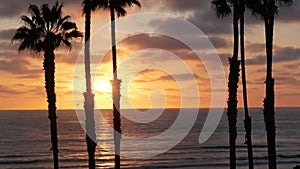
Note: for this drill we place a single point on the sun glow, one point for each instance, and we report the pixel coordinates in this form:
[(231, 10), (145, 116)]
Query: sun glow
[(103, 86)]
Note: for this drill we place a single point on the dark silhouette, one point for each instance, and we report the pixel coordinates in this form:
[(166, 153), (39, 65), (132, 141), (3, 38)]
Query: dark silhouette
[(267, 9), (269, 108), (44, 32), (88, 95), (118, 7), (247, 120), (222, 8)]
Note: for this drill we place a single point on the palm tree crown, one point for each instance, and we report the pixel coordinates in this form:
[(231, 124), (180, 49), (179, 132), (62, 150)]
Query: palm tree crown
[(265, 9), (221, 7), (118, 5), (45, 28)]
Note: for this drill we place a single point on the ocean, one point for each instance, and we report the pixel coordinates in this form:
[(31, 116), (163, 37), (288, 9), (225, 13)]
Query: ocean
[(25, 141)]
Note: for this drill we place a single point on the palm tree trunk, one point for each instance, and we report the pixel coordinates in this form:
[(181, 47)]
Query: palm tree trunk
[(247, 120), (269, 111), (49, 67), (116, 94), (88, 95), (233, 85)]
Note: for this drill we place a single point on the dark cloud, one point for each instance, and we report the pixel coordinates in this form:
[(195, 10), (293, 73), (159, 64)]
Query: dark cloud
[(8, 91), (284, 80), (281, 55), (13, 8), (6, 46), (291, 66), (145, 41), (221, 42), (7, 34), (206, 20), (287, 54), (224, 58), (255, 47), (16, 90), (258, 60), (148, 71), (180, 5), (203, 16), (182, 77), (20, 67), (289, 14)]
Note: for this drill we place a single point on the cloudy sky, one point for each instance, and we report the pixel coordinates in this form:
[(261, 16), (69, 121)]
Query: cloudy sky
[(162, 62)]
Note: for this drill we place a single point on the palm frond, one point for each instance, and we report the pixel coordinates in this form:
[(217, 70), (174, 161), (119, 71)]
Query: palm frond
[(27, 21), (104, 4), (36, 14), (221, 7), (61, 21), (285, 2), (73, 34), (67, 43), (68, 26), (47, 27), (120, 11)]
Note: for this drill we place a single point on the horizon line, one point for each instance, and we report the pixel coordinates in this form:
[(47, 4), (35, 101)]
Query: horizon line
[(279, 107)]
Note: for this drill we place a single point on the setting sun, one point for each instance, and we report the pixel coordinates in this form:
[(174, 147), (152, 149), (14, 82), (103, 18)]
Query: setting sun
[(103, 86)]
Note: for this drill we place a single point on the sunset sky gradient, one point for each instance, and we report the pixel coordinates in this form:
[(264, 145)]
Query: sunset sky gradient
[(22, 78)]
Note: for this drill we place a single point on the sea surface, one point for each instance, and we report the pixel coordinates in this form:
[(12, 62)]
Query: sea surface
[(25, 141)]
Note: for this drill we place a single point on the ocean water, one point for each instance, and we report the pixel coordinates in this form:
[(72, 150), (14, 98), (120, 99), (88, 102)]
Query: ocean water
[(25, 141)]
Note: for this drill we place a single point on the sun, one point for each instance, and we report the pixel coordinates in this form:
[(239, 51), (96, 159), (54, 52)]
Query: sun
[(103, 86)]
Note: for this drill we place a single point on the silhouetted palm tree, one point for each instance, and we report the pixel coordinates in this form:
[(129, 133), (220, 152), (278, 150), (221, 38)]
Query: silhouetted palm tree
[(222, 8), (116, 7), (45, 31), (88, 95), (267, 9), (247, 120)]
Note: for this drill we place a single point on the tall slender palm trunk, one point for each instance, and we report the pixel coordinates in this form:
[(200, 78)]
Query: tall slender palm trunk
[(49, 67), (233, 86), (116, 93), (269, 108), (88, 95), (247, 120)]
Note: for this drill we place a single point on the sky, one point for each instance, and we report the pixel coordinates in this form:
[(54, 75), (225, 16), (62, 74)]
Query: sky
[(161, 63)]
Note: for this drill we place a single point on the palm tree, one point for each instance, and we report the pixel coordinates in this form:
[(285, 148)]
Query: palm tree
[(222, 8), (45, 31), (247, 120), (116, 7), (267, 9), (270, 7), (88, 95)]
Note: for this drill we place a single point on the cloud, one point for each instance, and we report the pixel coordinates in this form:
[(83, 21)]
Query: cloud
[(144, 41), (292, 66), (7, 34), (255, 47), (20, 67), (8, 91), (181, 77), (289, 14), (12, 8), (287, 54), (179, 5), (281, 55), (284, 80), (202, 15), (221, 42)]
